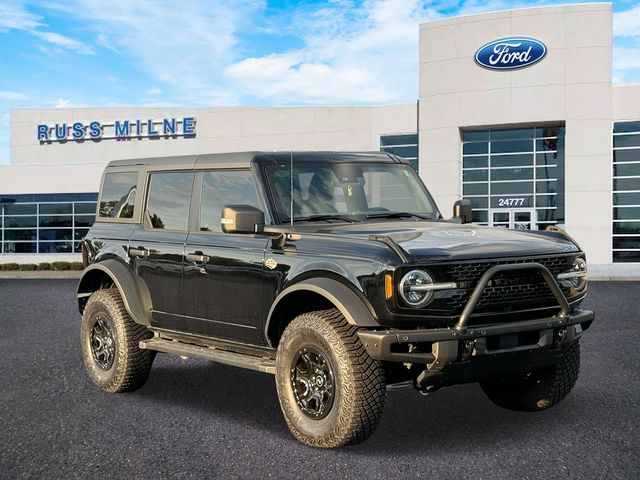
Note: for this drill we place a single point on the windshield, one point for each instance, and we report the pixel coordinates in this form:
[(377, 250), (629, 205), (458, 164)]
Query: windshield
[(346, 191)]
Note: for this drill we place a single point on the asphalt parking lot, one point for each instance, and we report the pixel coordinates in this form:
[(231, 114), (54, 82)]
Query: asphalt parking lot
[(195, 419)]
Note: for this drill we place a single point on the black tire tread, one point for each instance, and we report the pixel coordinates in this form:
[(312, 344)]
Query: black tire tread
[(547, 388), (366, 374), (567, 373), (133, 363)]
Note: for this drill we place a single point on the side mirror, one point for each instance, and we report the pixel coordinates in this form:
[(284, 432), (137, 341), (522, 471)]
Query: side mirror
[(242, 219), (462, 211)]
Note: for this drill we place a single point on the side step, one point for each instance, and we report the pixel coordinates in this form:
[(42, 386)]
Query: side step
[(261, 364)]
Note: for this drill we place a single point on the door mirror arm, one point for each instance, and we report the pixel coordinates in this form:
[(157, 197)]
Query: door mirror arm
[(279, 237)]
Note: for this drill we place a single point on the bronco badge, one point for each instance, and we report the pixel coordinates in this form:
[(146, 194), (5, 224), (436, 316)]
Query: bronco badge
[(270, 263)]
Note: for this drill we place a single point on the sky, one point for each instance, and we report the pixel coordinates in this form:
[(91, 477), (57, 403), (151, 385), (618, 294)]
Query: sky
[(91, 53)]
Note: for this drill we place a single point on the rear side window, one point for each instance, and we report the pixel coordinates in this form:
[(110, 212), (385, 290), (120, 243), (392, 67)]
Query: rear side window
[(224, 188), (118, 196), (169, 199)]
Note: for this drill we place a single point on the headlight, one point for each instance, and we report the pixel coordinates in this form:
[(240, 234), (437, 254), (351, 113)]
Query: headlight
[(417, 287), (577, 276), (412, 288)]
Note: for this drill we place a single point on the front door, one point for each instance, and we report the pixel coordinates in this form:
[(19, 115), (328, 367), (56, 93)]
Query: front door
[(516, 218), (223, 272)]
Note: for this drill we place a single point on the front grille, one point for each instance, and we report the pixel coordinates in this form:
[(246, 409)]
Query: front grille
[(509, 291), (464, 272)]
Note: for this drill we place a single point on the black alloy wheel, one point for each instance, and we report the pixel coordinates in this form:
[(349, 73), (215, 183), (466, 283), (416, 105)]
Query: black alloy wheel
[(103, 345), (312, 382)]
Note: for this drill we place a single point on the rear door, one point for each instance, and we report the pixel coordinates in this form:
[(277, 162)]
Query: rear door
[(223, 273), (157, 247)]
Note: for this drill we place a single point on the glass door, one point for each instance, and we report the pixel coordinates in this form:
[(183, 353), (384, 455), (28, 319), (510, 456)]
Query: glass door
[(523, 219), (516, 219), (500, 218)]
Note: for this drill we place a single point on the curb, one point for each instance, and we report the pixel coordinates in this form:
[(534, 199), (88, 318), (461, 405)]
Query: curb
[(49, 274)]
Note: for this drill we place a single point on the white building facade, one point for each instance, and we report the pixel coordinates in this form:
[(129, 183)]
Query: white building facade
[(530, 129)]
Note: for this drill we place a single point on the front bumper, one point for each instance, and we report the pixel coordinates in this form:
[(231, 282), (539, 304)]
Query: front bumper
[(476, 351), (422, 346)]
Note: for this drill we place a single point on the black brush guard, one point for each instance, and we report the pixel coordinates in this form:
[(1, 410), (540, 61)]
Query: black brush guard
[(462, 343)]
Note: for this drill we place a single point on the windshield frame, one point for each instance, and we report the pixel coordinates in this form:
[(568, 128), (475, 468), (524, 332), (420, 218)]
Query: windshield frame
[(359, 218)]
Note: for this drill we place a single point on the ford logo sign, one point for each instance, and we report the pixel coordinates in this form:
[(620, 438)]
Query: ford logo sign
[(510, 53)]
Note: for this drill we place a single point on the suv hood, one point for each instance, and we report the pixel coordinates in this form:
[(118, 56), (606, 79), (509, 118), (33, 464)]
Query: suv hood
[(448, 241)]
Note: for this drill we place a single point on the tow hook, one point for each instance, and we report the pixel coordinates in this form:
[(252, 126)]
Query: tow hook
[(562, 334), (467, 348), (566, 335)]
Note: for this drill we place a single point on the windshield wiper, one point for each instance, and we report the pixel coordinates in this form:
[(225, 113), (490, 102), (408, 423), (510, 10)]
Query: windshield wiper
[(320, 218), (397, 215)]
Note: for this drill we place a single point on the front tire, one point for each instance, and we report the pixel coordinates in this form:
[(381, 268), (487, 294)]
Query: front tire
[(331, 392), (110, 341), (538, 389)]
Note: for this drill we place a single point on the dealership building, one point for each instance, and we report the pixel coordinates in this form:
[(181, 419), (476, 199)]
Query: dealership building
[(516, 111)]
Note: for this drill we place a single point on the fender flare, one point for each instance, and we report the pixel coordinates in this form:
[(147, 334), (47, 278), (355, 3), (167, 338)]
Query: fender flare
[(133, 290), (355, 308)]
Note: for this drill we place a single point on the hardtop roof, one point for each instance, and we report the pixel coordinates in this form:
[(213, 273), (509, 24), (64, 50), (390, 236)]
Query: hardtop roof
[(244, 159)]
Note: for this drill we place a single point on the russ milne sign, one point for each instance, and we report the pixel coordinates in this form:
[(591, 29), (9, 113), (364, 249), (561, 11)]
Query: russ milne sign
[(118, 130), (510, 53)]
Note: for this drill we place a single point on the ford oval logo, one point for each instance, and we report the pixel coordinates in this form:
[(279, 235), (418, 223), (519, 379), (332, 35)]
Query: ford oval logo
[(510, 53)]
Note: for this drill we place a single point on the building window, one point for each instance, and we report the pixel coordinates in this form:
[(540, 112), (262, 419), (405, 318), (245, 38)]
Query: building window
[(626, 192), (404, 146), (45, 223), (514, 178)]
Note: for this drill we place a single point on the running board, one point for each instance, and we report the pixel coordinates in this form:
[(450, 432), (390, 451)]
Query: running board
[(267, 365)]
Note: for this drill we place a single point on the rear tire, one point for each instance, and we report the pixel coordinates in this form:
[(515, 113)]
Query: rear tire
[(110, 341), (538, 389), (331, 392)]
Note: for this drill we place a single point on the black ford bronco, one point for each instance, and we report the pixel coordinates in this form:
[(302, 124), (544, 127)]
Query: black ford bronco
[(334, 271)]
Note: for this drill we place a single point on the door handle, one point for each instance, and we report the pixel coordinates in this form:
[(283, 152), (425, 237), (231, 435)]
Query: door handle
[(138, 252), (197, 257)]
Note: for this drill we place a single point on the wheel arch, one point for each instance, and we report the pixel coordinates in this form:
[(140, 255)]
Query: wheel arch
[(133, 290), (317, 294)]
